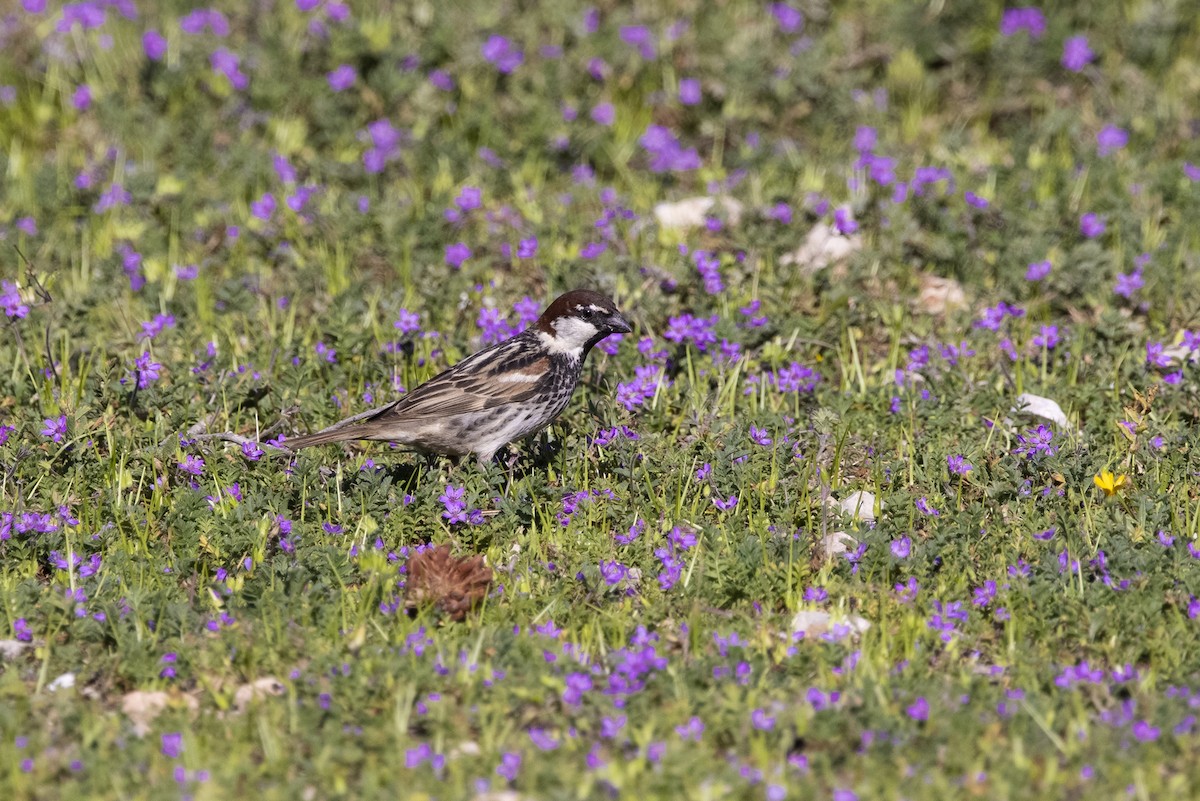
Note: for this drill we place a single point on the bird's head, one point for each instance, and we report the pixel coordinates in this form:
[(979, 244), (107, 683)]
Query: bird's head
[(579, 319)]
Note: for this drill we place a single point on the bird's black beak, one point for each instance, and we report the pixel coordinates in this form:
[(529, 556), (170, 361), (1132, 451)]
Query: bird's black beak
[(617, 324)]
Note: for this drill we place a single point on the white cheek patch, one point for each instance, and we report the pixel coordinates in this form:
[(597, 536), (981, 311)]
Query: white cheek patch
[(571, 334)]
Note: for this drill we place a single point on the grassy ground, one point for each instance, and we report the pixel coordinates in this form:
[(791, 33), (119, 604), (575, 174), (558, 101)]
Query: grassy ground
[(214, 223)]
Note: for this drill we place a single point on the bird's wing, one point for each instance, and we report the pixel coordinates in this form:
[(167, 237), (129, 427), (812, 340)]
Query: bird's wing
[(510, 372)]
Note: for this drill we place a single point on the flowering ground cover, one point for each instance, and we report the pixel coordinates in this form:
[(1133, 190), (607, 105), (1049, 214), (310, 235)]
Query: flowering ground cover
[(891, 493)]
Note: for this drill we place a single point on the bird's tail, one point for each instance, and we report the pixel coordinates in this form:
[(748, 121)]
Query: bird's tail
[(320, 438), (358, 426)]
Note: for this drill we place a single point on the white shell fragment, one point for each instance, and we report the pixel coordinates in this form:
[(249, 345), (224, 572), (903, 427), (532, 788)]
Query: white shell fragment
[(939, 295), (1045, 408), (813, 623), (64, 682), (822, 247), (691, 212), (258, 689), (860, 505), (838, 542)]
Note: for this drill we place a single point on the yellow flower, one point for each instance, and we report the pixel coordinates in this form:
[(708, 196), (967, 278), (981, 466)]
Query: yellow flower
[(1109, 483)]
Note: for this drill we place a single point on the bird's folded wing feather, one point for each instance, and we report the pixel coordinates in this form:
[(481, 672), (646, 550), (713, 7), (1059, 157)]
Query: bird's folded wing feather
[(492, 377)]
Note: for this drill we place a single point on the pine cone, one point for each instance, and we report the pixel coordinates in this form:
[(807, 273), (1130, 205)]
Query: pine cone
[(453, 585)]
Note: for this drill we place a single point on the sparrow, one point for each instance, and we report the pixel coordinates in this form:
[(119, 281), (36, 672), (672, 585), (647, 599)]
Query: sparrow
[(505, 392)]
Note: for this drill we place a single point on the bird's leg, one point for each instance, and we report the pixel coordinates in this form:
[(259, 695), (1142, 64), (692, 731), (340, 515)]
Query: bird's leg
[(501, 468)]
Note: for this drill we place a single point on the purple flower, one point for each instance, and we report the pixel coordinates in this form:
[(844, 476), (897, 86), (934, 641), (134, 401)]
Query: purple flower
[(790, 20), (10, 299), (147, 371), (994, 316), (1192, 171), (1110, 138), (527, 248), (610, 727), (470, 198), (154, 45), (299, 199), (115, 195), (542, 740), (975, 200), (908, 590), (843, 221), (760, 436), (692, 730), (634, 532), (510, 765), (456, 254), (709, 266), (161, 322), (902, 547), (592, 249), (172, 745), (576, 685), (55, 428), (603, 114), (1026, 18), (983, 596), (927, 176), (201, 18), (1037, 270), (86, 15), (454, 504), (865, 138), (131, 263), (958, 466), (192, 465), (760, 720), (343, 77), (264, 207), (924, 508), (326, 353), (689, 91), (613, 572), (440, 79), (385, 145), (1143, 732), (1128, 283), (1155, 356), (408, 322), (82, 97), (501, 53), (228, 63), (1047, 337), (781, 213), (639, 36), (1034, 442), (918, 709), (666, 152), (1076, 53), (725, 505), (1091, 225)]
